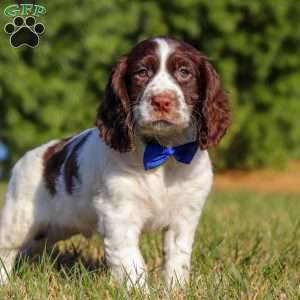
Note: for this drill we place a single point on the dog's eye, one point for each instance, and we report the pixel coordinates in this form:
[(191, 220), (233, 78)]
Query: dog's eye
[(144, 73), (184, 72)]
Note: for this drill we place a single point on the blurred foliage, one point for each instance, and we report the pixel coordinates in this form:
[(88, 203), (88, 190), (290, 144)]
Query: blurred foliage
[(53, 90)]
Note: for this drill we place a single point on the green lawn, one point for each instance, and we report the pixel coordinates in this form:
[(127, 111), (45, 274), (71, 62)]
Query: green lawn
[(247, 247)]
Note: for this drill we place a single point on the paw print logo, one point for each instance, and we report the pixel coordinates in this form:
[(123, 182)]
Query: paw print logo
[(24, 32)]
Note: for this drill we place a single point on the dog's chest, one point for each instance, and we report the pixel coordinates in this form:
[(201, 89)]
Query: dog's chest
[(161, 197), (156, 198)]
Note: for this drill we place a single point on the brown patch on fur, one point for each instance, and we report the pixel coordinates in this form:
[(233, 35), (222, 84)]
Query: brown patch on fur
[(53, 159), (71, 167), (213, 109), (114, 118)]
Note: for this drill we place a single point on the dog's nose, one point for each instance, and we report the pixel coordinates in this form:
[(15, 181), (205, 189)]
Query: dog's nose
[(162, 102)]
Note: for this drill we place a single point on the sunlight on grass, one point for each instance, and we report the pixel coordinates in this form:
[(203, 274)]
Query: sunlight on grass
[(247, 247)]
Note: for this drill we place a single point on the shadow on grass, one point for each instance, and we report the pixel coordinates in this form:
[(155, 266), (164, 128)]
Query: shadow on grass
[(67, 261)]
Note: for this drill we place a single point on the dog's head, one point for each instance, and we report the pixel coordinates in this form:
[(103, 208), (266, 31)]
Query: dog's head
[(162, 87)]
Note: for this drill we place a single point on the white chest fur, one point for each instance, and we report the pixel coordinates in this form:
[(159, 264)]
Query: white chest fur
[(153, 198)]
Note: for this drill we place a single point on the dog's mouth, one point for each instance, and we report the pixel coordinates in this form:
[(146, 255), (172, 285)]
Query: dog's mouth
[(160, 124), (162, 127)]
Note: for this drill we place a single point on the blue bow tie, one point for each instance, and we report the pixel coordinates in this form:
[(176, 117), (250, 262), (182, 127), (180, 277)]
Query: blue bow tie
[(156, 155)]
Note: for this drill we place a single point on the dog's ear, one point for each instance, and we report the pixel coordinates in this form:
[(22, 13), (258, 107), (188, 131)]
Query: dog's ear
[(114, 116), (213, 110)]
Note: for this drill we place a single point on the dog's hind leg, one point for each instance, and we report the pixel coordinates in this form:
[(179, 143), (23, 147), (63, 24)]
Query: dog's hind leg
[(7, 259), (19, 221), (17, 227)]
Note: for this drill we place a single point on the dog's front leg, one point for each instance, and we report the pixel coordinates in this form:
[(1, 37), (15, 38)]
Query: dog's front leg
[(178, 242), (121, 243)]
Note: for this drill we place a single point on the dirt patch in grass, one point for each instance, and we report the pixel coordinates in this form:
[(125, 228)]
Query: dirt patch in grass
[(266, 180)]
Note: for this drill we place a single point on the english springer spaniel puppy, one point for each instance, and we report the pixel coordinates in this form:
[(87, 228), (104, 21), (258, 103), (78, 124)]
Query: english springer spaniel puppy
[(144, 166)]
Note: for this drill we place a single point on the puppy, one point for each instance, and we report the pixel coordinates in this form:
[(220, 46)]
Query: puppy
[(143, 167)]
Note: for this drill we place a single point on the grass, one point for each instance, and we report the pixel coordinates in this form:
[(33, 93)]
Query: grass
[(247, 247), (2, 191)]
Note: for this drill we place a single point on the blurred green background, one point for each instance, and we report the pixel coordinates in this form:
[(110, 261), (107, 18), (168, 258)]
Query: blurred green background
[(53, 90)]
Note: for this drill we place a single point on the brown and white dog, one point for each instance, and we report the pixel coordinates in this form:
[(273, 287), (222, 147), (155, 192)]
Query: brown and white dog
[(165, 91)]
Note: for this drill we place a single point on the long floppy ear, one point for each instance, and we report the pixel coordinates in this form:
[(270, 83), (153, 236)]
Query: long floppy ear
[(213, 111), (114, 117)]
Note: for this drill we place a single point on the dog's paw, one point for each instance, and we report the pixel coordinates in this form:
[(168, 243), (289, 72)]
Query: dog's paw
[(24, 32)]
